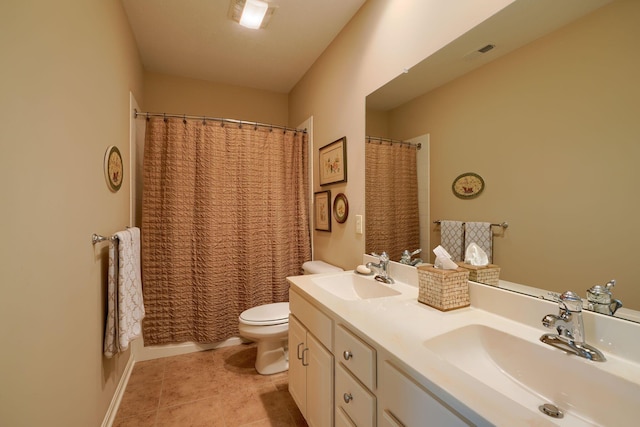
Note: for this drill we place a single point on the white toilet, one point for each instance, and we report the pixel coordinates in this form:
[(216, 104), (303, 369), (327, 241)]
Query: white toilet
[(268, 325)]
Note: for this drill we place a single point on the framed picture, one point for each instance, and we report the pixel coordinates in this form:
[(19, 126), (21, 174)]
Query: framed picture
[(333, 162), (340, 208), (322, 217)]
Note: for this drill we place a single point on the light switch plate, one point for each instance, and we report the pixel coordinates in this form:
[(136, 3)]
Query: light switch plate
[(358, 224)]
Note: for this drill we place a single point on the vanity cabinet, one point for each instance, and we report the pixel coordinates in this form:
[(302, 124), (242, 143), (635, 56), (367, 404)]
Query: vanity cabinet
[(310, 362), (338, 377)]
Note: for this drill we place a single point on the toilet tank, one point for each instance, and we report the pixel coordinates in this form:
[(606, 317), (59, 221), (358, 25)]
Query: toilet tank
[(316, 267)]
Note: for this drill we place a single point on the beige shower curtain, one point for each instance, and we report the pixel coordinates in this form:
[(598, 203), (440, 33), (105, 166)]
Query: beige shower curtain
[(224, 221), (391, 197)]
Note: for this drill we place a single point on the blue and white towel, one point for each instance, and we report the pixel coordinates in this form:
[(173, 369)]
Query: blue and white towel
[(452, 238), (481, 234)]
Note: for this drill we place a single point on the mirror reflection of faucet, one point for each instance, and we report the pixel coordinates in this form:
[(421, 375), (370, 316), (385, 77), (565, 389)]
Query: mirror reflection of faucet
[(600, 299), (570, 329), (406, 257)]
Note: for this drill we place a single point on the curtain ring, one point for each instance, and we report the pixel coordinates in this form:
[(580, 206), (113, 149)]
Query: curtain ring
[(222, 123), (256, 126), (271, 128), (184, 119), (147, 116), (164, 115), (204, 120)]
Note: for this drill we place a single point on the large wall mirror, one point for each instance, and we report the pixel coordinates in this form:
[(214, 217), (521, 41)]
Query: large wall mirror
[(550, 118)]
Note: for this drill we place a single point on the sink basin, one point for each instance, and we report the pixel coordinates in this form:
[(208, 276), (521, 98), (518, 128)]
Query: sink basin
[(533, 374), (352, 287)]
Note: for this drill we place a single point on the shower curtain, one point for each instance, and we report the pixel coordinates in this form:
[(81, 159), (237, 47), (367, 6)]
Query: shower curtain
[(224, 221), (391, 197)]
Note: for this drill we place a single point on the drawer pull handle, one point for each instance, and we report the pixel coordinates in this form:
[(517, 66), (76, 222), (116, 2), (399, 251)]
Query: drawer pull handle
[(304, 362), (347, 397), (299, 354), (347, 355)]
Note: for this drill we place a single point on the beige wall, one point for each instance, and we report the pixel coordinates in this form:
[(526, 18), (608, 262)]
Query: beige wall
[(67, 69), (170, 94), (380, 41), (553, 128)]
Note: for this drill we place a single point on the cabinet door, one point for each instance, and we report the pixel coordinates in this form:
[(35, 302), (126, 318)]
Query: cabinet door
[(298, 372), (319, 384), (410, 403)]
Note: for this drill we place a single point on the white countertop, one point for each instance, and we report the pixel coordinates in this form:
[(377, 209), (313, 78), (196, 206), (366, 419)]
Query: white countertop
[(400, 324)]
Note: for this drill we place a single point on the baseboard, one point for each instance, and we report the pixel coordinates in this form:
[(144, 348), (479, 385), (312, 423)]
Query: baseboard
[(110, 416), (141, 353)]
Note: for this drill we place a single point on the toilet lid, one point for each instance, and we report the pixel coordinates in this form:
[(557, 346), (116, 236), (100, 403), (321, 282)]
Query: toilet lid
[(268, 314)]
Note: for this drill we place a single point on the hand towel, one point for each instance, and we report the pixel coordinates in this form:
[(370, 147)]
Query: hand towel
[(481, 234), (125, 309), (451, 238)]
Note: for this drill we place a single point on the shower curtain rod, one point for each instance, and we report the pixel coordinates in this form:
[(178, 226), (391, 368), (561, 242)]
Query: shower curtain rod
[(394, 141), (216, 119)]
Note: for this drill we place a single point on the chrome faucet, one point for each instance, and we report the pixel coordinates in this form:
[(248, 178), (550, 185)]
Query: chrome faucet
[(600, 299), (406, 257), (570, 327), (383, 268)]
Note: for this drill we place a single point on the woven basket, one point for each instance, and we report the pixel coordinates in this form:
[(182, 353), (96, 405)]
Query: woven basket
[(443, 289), (488, 274)]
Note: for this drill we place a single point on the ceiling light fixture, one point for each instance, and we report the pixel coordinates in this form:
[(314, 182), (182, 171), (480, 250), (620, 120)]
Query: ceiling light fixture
[(251, 13)]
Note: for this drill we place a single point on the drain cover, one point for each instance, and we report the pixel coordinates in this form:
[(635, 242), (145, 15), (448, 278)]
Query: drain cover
[(551, 410)]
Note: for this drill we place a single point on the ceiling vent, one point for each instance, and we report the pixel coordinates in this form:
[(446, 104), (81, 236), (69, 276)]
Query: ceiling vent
[(479, 52), (254, 14)]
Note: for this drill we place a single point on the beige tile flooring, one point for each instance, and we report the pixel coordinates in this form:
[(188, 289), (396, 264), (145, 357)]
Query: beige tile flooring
[(209, 388)]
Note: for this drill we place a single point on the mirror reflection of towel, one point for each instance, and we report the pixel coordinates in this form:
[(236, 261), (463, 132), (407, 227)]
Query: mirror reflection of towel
[(481, 234), (451, 238)]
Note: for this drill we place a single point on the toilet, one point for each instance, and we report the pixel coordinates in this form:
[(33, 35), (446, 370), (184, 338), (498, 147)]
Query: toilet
[(268, 325)]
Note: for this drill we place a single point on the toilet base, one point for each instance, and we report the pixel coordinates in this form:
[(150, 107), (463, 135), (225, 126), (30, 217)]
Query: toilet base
[(273, 357)]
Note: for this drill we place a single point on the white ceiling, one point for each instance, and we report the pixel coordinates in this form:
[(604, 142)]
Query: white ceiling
[(197, 39)]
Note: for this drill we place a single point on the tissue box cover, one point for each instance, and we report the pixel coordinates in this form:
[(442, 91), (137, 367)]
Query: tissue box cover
[(488, 274), (443, 289)]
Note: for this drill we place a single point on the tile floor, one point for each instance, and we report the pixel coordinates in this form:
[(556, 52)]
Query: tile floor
[(209, 388)]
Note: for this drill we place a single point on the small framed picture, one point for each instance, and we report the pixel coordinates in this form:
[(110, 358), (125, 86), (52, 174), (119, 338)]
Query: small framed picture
[(333, 162), (322, 217), (340, 208)]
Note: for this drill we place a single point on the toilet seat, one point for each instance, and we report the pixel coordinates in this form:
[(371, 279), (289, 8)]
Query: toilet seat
[(266, 315)]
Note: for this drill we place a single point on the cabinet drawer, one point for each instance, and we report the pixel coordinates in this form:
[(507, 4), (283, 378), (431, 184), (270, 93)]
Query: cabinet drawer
[(342, 419), (388, 420), (356, 355), (318, 323), (405, 402), (354, 399)]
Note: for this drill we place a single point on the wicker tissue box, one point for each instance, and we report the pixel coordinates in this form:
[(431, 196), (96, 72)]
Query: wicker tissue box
[(488, 274), (443, 289)]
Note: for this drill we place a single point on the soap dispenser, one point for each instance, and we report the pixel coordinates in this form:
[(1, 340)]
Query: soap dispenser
[(600, 299)]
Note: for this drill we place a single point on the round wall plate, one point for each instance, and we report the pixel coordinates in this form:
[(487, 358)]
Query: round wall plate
[(340, 208), (468, 185), (113, 168)]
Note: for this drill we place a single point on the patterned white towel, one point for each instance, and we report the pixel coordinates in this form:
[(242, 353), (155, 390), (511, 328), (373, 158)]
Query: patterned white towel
[(451, 238), (125, 308), (481, 234)]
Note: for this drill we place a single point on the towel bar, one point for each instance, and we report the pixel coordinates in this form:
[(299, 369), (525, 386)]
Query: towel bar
[(96, 238), (504, 224)]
